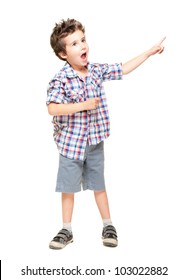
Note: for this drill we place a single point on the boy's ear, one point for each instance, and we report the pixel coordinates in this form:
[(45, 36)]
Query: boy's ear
[(62, 55)]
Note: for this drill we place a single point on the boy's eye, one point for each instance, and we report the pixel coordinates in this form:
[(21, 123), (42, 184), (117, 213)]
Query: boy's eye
[(83, 40), (74, 44)]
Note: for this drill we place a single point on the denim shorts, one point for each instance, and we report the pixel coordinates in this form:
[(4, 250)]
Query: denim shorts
[(75, 175)]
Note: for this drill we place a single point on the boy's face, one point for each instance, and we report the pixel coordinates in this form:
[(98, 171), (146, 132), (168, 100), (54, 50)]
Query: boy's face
[(76, 50)]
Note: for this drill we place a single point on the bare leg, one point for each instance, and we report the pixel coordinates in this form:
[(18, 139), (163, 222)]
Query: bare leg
[(102, 204), (109, 234), (67, 206), (64, 236)]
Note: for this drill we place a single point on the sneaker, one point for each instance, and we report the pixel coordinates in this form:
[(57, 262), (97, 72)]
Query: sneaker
[(109, 236), (63, 238)]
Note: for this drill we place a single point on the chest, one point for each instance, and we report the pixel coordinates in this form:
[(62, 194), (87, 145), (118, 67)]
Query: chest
[(79, 89)]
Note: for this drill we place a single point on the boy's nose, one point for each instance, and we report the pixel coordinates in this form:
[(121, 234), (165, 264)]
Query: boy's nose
[(83, 46)]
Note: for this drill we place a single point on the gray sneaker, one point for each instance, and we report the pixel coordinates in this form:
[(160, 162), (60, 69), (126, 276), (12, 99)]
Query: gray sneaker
[(109, 236), (63, 238)]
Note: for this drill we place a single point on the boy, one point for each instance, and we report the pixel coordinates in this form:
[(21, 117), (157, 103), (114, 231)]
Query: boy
[(77, 102)]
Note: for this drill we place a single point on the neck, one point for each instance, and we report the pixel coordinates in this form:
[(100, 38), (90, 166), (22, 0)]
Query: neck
[(82, 71)]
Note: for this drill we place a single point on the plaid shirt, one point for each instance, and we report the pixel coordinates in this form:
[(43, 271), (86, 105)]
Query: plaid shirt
[(71, 132)]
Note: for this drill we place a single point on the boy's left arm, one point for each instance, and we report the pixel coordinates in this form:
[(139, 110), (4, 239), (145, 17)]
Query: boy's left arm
[(132, 64)]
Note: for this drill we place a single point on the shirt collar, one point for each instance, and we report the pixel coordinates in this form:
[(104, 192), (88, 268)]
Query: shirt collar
[(69, 71)]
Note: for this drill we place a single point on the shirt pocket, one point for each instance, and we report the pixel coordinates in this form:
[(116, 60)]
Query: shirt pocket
[(74, 96)]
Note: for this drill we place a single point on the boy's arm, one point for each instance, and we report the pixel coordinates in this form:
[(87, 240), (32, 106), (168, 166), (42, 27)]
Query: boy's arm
[(132, 64), (61, 109)]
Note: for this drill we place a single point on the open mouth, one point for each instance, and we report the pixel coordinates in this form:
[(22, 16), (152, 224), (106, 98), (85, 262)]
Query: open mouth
[(83, 56)]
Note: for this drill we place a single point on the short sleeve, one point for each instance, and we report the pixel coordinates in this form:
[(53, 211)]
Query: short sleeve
[(55, 92)]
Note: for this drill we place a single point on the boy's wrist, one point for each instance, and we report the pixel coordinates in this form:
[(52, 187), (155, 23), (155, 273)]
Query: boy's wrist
[(81, 106), (148, 53)]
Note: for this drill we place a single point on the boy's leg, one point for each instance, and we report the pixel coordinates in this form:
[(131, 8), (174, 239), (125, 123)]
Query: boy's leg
[(69, 178), (64, 236), (67, 200), (94, 180), (109, 233), (102, 204)]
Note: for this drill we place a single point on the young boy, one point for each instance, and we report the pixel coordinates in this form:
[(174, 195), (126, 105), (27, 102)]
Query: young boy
[(77, 102)]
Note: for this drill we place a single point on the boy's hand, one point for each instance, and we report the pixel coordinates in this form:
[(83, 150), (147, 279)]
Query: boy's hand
[(91, 103), (157, 48)]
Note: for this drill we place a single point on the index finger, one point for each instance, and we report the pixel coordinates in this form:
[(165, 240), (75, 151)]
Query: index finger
[(160, 42)]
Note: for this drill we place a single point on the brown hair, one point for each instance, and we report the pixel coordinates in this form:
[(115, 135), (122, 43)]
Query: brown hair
[(60, 31)]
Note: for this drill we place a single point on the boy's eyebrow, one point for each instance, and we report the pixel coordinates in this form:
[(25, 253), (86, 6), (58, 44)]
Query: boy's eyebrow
[(73, 42), (84, 37)]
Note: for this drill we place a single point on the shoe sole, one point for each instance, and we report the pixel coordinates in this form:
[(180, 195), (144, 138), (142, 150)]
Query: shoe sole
[(57, 246), (109, 242)]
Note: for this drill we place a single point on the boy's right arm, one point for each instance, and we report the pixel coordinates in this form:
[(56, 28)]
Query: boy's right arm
[(60, 109), (137, 61)]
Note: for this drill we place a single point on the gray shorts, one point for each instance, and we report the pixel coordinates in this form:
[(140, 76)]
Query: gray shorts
[(73, 175)]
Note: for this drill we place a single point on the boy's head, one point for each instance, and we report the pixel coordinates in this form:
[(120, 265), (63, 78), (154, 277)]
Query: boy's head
[(62, 30)]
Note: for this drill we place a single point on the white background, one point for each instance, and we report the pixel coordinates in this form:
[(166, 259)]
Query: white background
[(146, 154)]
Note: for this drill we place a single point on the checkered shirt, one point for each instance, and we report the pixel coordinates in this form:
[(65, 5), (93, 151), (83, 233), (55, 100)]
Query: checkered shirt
[(72, 132)]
